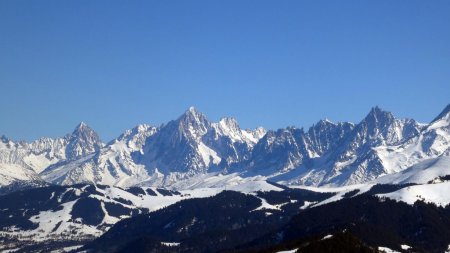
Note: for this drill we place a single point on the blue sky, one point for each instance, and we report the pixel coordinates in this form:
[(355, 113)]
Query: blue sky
[(115, 64)]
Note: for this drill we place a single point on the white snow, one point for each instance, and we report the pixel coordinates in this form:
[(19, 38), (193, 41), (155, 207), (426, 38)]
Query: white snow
[(327, 237), (325, 189), (432, 142), (232, 181), (405, 247), (266, 206), (13, 172), (420, 173), (67, 249), (448, 249), (387, 250), (208, 155), (230, 128), (38, 162), (433, 193), (288, 251), (59, 224), (308, 204), (362, 188)]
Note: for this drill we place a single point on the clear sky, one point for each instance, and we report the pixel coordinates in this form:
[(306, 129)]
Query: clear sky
[(115, 64)]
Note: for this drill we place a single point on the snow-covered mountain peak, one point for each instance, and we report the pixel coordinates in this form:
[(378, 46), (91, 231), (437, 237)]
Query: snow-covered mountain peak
[(444, 115), (260, 132), (325, 135), (82, 141), (441, 123), (135, 138), (327, 153), (228, 127), (377, 116), (381, 127), (192, 109), (420, 143), (229, 123), (22, 161), (82, 127), (193, 123), (253, 136), (193, 114), (324, 122), (142, 128), (82, 124)]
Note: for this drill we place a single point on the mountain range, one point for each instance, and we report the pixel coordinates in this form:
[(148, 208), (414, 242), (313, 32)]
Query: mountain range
[(185, 152), (167, 188)]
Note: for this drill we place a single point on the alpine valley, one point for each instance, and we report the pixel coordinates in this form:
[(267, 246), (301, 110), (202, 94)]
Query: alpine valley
[(192, 185)]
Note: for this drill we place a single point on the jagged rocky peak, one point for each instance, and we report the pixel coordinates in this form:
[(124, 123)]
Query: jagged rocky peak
[(253, 136), (277, 151), (435, 139), (260, 132), (379, 117), (229, 123), (383, 122), (325, 135), (324, 122), (142, 129), (135, 138), (326, 125), (281, 137), (228, 127), (379, 127), (82, 130), (192, 114), (193, 123), (444, 115), (82, 141), (328, 152)]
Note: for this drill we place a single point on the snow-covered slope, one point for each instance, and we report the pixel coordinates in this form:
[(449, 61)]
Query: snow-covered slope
[(430, 193), (111, 165), (79, 213), (76, 214), (66, 199), (424, 172), (13, 173), (428, 181), (286, 149), (352, 158), (22, 161), (355, 161), (191, 147), (433, 141), (184, 149)]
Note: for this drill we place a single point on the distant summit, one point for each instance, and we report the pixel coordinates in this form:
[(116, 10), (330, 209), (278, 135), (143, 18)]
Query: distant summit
[(191, 150), (82, 141)]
